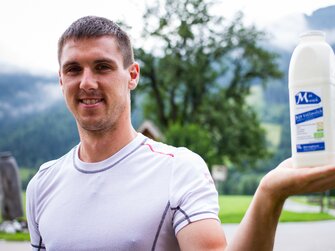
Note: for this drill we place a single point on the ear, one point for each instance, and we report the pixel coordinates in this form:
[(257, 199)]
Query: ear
[(134, 72), (60, 81)]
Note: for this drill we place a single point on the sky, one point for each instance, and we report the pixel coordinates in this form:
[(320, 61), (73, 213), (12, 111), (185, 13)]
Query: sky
[(30, 28)]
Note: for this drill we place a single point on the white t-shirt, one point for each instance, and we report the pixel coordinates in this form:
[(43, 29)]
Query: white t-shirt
[(138, 199)]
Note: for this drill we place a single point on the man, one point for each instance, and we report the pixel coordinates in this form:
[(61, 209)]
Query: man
[(118, 190)]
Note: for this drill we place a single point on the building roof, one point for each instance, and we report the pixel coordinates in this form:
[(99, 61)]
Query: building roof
[(148, 129)]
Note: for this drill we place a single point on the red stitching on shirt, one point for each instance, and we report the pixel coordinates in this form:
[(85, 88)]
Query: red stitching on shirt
[(151, 148)]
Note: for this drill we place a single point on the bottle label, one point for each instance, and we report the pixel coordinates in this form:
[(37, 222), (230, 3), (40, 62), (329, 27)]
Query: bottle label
[(309, 121)]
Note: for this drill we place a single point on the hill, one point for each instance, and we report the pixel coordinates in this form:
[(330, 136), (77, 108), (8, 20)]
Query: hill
[(34, 122)]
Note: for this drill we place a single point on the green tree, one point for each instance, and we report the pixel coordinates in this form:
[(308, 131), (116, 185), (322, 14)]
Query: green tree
[(195, 138), (197, 69)]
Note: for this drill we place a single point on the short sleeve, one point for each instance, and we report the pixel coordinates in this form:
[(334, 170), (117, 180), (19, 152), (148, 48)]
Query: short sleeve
[(35, 237), (193, 195)]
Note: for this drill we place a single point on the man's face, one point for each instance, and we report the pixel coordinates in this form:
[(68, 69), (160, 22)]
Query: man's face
[(95, 84)]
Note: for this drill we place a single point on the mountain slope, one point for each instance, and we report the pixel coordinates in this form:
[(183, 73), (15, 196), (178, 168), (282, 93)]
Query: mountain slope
[(322, 19), (39, 137)]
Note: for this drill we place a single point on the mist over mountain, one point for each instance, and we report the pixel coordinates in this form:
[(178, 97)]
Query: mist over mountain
[(33, 118), (285, 32), (36, 126), (23, 94)]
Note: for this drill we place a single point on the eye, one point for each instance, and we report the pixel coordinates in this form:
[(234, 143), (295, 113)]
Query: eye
[(72, 69), (102, 67)]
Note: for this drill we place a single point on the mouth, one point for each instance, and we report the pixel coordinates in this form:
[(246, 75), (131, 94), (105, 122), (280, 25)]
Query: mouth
[(90, 101)]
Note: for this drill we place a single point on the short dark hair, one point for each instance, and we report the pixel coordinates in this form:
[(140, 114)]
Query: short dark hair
[(94, 27)]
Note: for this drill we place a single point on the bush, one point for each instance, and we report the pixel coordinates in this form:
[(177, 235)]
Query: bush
[(241, 183)]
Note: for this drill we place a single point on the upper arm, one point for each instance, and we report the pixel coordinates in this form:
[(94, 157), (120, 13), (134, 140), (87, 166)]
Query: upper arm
[(35, 237), (202, 235), (194, 198), (193, 195)]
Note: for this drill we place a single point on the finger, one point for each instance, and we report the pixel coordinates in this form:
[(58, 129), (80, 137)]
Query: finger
[(321, 183), (320, 180), (320, 172)]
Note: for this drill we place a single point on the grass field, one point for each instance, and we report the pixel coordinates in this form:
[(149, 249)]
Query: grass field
[(14, 237), (232, 210)]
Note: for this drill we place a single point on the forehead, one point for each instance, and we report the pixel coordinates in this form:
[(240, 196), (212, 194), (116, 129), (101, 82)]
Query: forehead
[(87, 49)]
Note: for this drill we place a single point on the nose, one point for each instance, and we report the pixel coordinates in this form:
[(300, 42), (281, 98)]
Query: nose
[(88, 81)]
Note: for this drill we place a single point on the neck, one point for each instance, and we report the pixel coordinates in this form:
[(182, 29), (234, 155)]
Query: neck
[(98, 146)]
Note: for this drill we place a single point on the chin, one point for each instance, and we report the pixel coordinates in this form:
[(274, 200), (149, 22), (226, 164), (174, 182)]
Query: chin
[(97, 127)]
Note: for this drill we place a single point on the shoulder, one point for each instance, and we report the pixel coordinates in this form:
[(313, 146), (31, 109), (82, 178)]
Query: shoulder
[(180, 160), (185, 164), (181, 153), (158, 148), (186, 156), (48, 169), (48, 165), (189, 163), (183, 158)]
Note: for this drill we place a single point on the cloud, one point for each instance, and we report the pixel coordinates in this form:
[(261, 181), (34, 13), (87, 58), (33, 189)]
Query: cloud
[(50, 91), (42, 96), (286, 31)]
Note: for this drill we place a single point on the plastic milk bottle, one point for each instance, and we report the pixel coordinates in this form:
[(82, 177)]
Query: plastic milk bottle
[(312, 101)]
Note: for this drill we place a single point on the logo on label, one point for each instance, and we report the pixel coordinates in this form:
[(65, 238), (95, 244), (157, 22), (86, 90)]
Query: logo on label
[(307, 98)]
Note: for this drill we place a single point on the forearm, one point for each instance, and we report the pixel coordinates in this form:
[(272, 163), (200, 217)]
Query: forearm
[(258, 227)]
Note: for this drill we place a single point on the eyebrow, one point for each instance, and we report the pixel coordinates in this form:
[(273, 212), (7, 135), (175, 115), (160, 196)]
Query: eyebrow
[(98, 61), (106, 60)]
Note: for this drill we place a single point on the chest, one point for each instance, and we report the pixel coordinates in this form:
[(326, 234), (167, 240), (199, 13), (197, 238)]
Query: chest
[(107, 212)]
